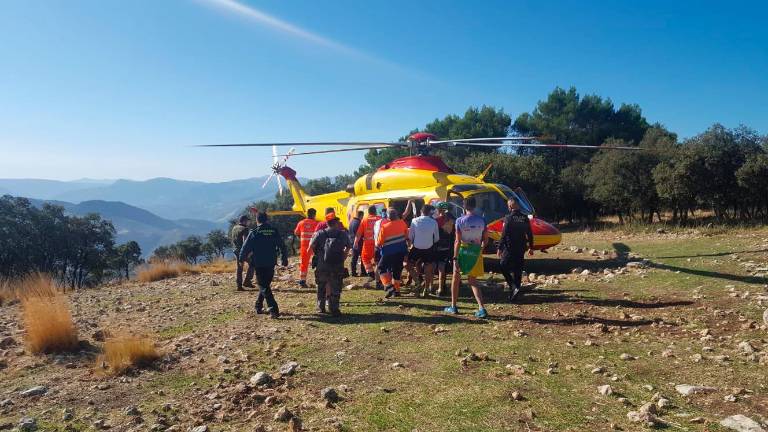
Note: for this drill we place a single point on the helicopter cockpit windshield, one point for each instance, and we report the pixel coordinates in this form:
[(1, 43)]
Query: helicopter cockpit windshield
[(525, 205), (492, 202)]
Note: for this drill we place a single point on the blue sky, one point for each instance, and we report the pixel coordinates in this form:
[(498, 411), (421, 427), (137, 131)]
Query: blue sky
[(119, 89)]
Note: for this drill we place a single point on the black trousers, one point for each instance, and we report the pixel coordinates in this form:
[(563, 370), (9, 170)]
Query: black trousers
[(264, 276), (354, 260), (512, 268), (333, 280)]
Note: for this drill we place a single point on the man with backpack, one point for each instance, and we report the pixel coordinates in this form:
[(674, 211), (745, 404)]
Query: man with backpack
[(261, 249), (330, 246)]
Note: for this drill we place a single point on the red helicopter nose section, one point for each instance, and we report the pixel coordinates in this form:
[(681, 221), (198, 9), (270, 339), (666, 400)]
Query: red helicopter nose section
[(544, 235)]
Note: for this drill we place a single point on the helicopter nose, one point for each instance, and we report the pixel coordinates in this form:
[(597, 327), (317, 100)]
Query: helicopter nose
[(544, 234)]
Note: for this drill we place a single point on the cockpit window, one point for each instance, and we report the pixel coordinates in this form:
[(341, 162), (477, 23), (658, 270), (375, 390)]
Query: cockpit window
[(491, 205), (525, 205), (466, 187)]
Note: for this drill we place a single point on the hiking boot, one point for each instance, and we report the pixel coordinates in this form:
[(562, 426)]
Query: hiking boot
[(259, 311), (513, 294), (248, 285), (481, 313), (389, 291), (303, 284), (239, 289), (451, 310), (274, 314)]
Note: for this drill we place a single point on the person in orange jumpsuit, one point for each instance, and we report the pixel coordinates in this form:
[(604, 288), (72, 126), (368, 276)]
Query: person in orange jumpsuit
[(365, 232), (305, 229)]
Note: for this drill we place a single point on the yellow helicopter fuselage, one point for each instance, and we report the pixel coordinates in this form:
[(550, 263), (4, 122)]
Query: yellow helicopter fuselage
[(423, 180)]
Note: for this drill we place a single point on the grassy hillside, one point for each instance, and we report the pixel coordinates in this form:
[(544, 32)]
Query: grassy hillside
[(683, 315)]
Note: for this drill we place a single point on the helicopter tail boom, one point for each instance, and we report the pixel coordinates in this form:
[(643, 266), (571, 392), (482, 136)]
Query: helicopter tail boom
[(299, 194)]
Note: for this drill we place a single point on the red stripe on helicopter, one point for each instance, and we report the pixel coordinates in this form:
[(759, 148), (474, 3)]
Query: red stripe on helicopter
[(422, 162)]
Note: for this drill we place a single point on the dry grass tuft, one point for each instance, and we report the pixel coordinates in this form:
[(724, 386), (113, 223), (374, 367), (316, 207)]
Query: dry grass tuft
[(219, 265), (47, 317), (125, 352), (6, 293), (160, 270)]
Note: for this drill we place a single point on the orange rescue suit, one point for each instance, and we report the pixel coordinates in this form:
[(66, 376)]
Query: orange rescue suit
[(305, 229), (366, 232)]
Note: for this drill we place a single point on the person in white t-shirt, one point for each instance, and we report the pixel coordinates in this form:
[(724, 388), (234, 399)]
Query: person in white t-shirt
[(424, 234)]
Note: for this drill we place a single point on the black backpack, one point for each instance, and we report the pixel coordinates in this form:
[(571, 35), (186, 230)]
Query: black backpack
[(333, 249)]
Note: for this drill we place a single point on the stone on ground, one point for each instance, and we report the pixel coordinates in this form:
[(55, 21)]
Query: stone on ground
[(741, 423), (687, 390), (27, 424), (34, 391), (261, 378), (330, 394), (288, 368)]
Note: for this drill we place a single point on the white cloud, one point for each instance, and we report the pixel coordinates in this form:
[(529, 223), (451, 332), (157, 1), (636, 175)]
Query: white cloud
[(262, 18)]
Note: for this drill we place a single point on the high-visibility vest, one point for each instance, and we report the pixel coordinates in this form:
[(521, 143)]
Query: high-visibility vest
[(366, 227), (305, 229)]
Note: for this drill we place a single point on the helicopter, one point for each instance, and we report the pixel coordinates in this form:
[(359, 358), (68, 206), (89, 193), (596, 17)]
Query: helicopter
[(419, 178)]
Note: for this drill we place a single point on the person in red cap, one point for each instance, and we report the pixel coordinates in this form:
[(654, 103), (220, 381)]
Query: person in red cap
[(330, 213)]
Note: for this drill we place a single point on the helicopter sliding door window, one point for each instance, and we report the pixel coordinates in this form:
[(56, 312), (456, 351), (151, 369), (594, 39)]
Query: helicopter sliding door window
[(363, 207), (400, 204)]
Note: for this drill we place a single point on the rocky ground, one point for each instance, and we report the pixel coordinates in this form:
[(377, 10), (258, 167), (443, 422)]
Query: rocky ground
[(618, 332)]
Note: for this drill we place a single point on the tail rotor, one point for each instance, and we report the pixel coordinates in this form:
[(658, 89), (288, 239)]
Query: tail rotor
[(277, 165)]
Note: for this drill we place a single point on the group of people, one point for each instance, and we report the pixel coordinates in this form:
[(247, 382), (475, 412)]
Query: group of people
[(385, 242)]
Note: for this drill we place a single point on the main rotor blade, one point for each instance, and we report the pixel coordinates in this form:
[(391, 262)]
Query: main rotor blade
[(295, 144), (337, 150), (484, 139), (268, 179), (547, 145)]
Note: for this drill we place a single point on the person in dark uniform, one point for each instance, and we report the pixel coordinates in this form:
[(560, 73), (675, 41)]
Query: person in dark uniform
[(261, 249), (516, 237), (237, 236)]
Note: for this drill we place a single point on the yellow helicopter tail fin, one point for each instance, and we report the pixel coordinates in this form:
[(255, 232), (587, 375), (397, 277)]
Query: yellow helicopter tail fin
[(485, 172), (300, 196)]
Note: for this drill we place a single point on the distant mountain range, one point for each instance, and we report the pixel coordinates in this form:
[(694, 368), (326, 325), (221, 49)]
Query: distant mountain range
[(165, 197), (133, 223)]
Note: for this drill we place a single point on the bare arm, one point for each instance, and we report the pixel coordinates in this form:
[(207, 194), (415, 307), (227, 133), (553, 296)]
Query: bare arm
[(457, 244)]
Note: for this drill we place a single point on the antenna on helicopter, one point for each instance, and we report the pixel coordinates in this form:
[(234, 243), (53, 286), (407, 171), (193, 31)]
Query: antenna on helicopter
[(277, 165)]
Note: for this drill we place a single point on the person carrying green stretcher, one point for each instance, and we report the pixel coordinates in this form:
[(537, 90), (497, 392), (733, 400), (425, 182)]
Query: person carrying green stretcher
[(471, 237)]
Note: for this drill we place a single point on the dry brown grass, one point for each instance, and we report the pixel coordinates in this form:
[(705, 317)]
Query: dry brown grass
[(160, 270), (47, 317), (219, 265), (124, 352), (6, 294)]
